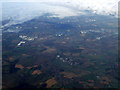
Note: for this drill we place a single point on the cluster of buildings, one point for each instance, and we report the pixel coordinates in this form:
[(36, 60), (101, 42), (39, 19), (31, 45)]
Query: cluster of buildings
[(84, 32), (90, 20), (20, 43), (59, 35), (27, 38), (67, 60)]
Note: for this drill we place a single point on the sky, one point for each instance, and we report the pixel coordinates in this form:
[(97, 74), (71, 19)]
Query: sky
[(22, 9)]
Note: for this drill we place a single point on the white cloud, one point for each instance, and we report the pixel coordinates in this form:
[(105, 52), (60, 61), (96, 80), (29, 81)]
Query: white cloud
[(25, 11), (100, 6)]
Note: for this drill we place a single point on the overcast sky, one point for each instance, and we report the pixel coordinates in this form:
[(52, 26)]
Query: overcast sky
[(62, 8)]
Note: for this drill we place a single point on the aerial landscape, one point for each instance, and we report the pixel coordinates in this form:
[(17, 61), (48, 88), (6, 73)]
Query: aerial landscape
[(53, 51)]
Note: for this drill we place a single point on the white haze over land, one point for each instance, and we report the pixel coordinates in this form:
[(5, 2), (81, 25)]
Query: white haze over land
[(22, 10)]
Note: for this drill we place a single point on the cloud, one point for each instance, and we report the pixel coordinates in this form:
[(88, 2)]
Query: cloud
[(23, 10), (97, 6)]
